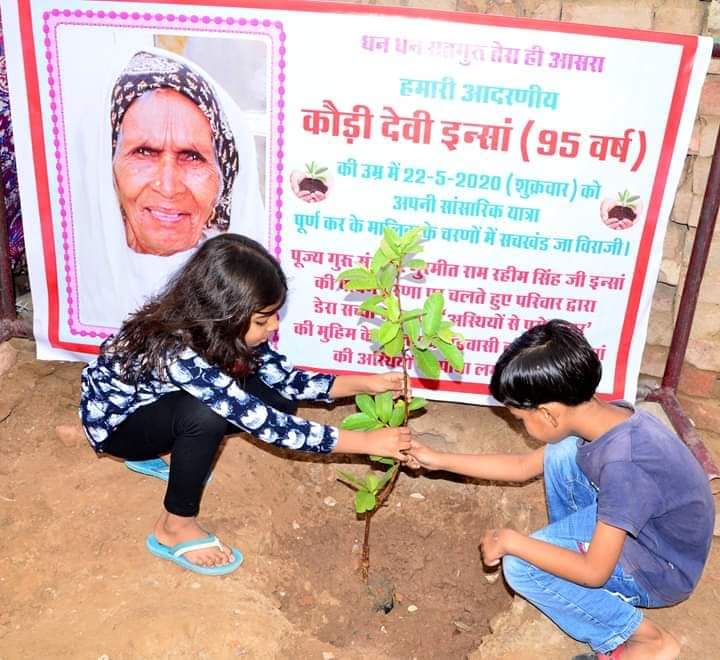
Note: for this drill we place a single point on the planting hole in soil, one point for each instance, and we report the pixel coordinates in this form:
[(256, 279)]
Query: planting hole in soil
[(428, 595)]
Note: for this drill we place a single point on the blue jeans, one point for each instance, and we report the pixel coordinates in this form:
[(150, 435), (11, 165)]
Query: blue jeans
[(603, 617)]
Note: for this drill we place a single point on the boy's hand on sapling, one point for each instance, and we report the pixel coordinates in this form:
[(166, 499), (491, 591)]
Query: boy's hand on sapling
[(420, 456)]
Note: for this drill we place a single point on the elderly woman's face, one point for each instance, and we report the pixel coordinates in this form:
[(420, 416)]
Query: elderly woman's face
[(166, 174)]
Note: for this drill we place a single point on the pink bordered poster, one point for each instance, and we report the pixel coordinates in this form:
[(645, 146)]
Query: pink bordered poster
[(541, 160)]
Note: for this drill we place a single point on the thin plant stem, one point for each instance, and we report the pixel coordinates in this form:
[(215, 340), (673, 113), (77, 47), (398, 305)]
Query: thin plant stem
[(365, 558), (381, 497), (388, 487), (406, 378)]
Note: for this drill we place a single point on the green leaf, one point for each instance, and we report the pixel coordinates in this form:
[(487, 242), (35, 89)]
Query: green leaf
[(446, 334), (411, 314), (412, 329), (393, 307), (373, 307), (382, 459), (395, 346), (372, 481), (433, 309), (366, 404), (415, 248), (367, 283), (378, 261), (383, 405), (451, 353), (423, 344), (386, 276), (410, 237), (387, 331), (416, 403), (370, 302), (320, 171), (387, 476), (426, 362), (417, 264), (398, 414), (352, 273), (390, 236), (388, 250), (634, 198), (358, 422), (364, 501), (351, 479)]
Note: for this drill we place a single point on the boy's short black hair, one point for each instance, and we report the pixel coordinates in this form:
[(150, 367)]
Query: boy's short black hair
[(550, 362)]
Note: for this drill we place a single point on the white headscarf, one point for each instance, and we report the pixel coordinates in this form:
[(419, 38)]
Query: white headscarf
[(113, 280)]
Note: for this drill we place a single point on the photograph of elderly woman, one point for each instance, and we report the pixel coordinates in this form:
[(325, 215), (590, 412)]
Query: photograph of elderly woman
[(178, 155), (174, 156)]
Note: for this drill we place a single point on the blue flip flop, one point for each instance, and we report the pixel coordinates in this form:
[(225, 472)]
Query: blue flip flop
[(175, 554), (154, 467)]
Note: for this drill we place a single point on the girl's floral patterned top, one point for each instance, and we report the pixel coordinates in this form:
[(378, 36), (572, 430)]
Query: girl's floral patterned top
[(107, 400)]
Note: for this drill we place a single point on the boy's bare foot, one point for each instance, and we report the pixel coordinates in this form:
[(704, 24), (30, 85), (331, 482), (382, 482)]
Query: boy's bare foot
[(650, 641), (171, 530)]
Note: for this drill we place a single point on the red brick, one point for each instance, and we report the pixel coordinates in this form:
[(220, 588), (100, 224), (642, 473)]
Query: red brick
[(697, 382), (710, 97), (694, 146), (638, 14), (549, 10), (705, 413), (446, 5), (475, 6), (653, 360), (680, 16), (708, 137)]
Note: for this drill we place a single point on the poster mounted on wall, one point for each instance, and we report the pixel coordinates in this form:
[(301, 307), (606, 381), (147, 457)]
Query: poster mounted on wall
[(541, 160)]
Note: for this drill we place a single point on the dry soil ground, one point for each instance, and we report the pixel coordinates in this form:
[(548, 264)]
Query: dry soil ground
[(77, 582)]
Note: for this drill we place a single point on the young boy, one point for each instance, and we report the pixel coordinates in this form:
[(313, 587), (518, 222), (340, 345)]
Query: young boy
[(630, 509)]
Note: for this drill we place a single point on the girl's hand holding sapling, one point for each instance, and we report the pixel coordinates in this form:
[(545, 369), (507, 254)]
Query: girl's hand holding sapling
[(367, 384)]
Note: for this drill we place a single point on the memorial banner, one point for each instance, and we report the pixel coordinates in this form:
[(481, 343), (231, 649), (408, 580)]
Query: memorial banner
[(541, 160)]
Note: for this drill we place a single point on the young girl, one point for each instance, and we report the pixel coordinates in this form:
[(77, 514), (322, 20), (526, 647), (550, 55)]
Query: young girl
[(172, 380)]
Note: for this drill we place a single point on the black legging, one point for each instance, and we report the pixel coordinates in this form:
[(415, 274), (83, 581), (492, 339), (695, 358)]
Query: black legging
[(184, 426)]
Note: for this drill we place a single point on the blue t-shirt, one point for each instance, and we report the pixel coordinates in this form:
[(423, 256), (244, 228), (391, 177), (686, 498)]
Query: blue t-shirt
[(650, 485)]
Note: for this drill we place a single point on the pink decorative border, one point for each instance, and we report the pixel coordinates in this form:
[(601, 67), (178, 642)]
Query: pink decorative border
[(164, 22)]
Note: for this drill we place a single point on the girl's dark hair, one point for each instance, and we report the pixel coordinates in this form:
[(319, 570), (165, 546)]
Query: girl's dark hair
[(550, 362), (206, 306)]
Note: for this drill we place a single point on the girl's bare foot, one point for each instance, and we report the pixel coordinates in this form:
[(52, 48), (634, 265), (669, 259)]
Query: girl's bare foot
[(171, 530)]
